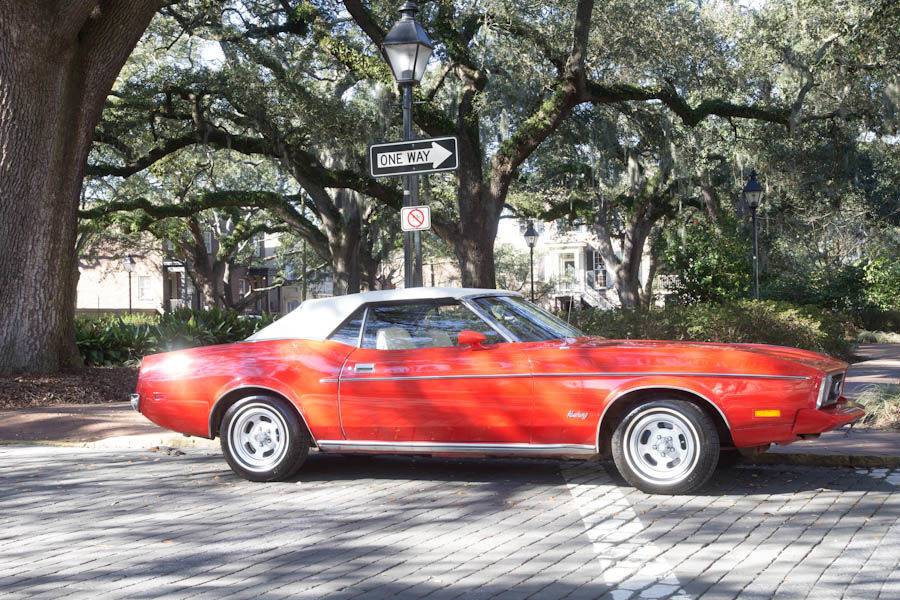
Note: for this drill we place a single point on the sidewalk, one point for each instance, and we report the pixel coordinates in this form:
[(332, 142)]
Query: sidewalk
[(113, 426), (879, 365), (841, 448)]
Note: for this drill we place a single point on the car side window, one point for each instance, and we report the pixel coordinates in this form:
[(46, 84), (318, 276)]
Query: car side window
[(348, 332), (422, 325)]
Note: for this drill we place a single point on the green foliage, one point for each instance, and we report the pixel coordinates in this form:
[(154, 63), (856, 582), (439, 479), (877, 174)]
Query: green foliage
[(118, 340), (875, 319), (835, 288), (868, 292), (111, 341), (706, 264), (882, 283), (744, 321)]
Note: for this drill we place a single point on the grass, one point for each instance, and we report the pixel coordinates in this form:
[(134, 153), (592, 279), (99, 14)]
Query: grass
[(882, 404), (878, 337)]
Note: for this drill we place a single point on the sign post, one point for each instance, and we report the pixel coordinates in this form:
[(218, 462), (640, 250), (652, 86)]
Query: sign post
[(409, 159)]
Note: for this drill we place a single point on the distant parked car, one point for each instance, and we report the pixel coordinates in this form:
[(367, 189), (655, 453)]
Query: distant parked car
[(483, 372)]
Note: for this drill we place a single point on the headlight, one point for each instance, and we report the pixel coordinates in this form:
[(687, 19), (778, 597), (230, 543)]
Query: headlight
[(831, 389)]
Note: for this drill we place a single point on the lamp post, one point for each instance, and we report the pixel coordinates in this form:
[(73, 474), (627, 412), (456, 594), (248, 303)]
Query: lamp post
[(753, 194), (531, 237), (408, 48), (128, 263)]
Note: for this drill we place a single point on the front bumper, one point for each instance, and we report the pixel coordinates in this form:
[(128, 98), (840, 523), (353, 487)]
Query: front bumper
[(819, 420), (135, 402)]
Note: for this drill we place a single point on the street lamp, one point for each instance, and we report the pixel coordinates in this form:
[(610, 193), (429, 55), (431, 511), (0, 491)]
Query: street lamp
[(128, 264), (531, 237), (753, 194), (408, 48)]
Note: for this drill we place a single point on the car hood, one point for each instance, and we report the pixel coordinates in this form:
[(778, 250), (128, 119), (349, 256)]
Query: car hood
[(756, 354)]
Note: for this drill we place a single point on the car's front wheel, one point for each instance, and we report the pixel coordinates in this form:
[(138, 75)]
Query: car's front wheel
[(263, 440), (666, 447)]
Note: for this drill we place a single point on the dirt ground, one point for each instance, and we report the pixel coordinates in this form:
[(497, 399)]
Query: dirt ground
[(93, 385)]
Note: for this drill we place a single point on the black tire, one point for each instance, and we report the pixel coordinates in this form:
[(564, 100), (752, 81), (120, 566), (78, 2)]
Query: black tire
[(679, 460), (263, 439), (729, 458)]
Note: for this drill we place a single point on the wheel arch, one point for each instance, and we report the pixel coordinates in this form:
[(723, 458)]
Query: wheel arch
[(621, 402), (229, 398)]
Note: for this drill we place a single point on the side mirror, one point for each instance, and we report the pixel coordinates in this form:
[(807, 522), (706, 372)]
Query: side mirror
[(470, 338)]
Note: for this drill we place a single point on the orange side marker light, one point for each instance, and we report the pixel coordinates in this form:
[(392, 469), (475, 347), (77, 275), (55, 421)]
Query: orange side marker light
[(769, 412)]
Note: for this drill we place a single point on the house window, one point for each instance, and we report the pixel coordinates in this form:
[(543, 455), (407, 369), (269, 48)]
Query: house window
[(145, 287), (600, 275), (567, 273), (175, 286)]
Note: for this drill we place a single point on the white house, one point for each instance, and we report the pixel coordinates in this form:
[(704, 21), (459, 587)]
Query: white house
[(567, 257)]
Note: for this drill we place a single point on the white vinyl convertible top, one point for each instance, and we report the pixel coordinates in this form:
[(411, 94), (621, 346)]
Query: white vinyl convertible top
[(317, 319)]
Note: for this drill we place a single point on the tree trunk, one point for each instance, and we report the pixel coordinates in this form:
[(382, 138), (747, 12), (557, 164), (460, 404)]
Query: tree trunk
[(204, 285), (625, 270), (57, 65), (475, 254), (479, 217), (345, 265), (344, 233)]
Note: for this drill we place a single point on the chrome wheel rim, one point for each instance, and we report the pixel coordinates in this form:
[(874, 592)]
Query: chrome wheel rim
[(662, 446), (259, 438)]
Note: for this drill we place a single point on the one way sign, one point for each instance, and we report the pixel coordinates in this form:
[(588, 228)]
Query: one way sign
[(419, 156)]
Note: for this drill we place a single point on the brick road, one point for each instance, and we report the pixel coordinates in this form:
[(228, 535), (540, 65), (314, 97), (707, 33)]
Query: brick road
[(78, 523)]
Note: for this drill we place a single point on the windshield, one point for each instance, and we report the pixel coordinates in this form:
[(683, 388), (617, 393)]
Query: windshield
[(525, 320)]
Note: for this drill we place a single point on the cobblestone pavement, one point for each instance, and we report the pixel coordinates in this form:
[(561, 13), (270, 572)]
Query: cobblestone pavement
[(78, 523)]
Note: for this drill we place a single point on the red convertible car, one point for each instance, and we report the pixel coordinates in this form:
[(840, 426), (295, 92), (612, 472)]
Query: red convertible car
[(482, 372)]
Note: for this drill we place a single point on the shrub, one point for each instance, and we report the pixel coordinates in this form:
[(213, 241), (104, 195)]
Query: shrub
[(111, 340), (877, 319), (882, 280), (744, 321), (120, 340), (705, 264), (878, 337), (834, 288), (882, 404)]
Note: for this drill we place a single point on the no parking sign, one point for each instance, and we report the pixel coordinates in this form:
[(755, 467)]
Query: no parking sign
[(415, 218)]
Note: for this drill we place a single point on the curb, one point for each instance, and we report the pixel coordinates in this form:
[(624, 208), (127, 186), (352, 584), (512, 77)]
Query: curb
[(156, 442), (824, 460), (145, 441), (126, 442)]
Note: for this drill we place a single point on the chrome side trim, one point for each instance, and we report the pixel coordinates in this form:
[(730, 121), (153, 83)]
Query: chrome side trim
[(661, 388), (366, 446), (671, 374), (577, 374), (427, 377), (212, 409)]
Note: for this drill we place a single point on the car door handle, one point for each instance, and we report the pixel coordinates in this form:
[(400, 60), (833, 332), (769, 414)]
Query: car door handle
[(364, 367)]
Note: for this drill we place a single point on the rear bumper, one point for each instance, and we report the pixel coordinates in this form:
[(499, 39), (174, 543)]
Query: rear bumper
[(819, 420)]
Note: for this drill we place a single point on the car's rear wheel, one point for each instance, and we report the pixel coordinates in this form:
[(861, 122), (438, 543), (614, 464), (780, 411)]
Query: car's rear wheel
[(666, 447), (263, 440)]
